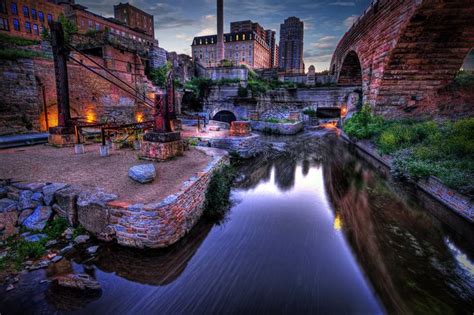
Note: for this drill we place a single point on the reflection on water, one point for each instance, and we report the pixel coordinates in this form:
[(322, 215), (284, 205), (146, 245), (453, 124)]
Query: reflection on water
[(312, 229)]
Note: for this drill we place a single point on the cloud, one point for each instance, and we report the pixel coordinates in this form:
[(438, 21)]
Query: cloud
[(343, 3), (350, 20)]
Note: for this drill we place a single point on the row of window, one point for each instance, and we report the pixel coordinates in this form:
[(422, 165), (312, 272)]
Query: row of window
[(97, 26), (26, 13)]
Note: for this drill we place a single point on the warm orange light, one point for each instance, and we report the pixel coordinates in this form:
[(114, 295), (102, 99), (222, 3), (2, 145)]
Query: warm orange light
[(343, 111), (139, 117), (337, 222), (151, 95), (90, 116)]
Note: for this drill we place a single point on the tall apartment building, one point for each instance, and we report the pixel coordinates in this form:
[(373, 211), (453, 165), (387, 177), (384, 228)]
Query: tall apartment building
[(135, 18), (247, 43), (291, 46)]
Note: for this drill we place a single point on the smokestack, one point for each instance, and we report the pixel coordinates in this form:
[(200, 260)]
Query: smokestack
[(220, 31)]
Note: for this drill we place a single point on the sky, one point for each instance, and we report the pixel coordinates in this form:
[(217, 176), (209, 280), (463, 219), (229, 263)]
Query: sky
[(178, 21)]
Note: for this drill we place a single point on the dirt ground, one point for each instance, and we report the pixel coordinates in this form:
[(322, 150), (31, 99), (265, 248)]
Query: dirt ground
[(47, 164)]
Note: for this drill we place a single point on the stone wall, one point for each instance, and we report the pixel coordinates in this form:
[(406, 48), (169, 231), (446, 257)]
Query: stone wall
[(277, 128), (276, 103), (236, 73), (244, 147)]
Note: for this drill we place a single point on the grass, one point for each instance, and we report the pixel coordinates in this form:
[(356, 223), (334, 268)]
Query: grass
[(14, 54), (18, 41), (218, 193), (422, 148)]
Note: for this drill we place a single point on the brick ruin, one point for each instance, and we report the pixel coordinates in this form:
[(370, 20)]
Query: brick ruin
[(405, 53)]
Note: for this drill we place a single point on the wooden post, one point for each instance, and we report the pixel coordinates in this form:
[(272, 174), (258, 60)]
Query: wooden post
[(60, 55)]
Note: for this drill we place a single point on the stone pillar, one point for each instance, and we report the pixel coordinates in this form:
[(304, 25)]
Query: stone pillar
[(220, 31)]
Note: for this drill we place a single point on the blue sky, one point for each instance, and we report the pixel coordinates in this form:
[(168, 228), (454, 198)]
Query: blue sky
[(178, 21)]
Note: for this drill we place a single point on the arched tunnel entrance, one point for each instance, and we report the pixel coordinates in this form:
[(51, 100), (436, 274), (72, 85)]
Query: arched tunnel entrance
[(225, 116), (351, 71)]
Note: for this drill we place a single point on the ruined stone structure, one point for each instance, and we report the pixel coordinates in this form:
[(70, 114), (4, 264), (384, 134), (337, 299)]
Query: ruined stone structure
[(403, 53)]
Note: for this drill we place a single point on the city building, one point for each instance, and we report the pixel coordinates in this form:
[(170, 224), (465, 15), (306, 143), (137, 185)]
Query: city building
[(291, 46), (248, 43), (135, 18), (27, 18)]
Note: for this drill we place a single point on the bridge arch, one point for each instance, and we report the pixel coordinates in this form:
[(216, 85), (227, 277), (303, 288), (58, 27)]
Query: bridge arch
[(225, 116), (351, 70)]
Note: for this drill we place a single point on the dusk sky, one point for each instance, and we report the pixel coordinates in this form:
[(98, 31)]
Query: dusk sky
[(178, 21)]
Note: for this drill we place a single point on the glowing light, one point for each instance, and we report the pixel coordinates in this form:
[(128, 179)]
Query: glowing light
[(337, 222), (139, 117), (343, 111), (90, 116)]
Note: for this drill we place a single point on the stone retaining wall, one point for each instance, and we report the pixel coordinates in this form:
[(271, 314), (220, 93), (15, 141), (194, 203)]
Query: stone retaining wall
[(277, 128), (450, 198), (244, 147)]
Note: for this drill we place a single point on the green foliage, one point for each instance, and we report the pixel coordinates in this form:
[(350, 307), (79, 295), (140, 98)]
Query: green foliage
[(199, 86), (223, 82), (257, 87), (79, 230), (464, 79), (55, 228), (310, 112), (218, 193), (278, 121), (242, 91), (14, 54), (193, 141), (227, 63), (3, 263), (160, 75), (6, 40), (69, 27), (364, 124)]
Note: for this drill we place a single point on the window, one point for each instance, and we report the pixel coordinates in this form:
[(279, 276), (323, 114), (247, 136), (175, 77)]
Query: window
[(41, 16), (35, 29), (14, 8), (33, 14), (83, 23), (26, 11), (97, 26), (3, 6), (28, 27), (16, 25), (4, 24), (90, 24), (50, 18)]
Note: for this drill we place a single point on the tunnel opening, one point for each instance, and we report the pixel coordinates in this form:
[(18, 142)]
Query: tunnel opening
[(351, 71), (225, 116)]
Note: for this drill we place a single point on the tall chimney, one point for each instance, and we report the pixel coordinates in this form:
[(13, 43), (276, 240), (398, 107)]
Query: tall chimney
[(220, 31)]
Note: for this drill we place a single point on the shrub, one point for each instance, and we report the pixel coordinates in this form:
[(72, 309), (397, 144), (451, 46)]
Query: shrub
[(310, 112), (199, 86), (364, 124), (55, 228), (14, 54), (69, 27), (29, 250), (218, 193), (160, 75), (464, 79), (18, 41), (242, 91)]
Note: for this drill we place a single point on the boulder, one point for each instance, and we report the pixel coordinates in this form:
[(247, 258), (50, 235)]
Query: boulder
[(81, 239), (144, 173), (92, 250), (49, 191), (38, 219), (35, 238), (24, 215), (3, 192), (7, 205), (78, 281), (8, 220), (38, 197), (26, 200), (29, 186), (65, 205), (92, 210)]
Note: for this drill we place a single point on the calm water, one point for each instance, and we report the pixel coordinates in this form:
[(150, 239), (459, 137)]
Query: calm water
[(313, 229)]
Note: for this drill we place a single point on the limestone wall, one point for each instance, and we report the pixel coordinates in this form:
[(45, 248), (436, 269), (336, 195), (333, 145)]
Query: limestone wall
[(277, 128)]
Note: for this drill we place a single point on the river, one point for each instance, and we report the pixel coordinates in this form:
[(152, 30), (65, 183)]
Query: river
[(313, 229)]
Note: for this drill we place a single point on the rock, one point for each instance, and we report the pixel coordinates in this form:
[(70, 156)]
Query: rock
[(42, 264), (7, 205), (38, 197), (78, 281), (55, 259), (144, 173), (10, 287), (26, 200), (92, 250), (9, 221), (35, 238), (30, 186), (66, 204), (81, 239), (37, 221), (66, 249), (68, 233), (50, 190), (23, 215), (51, 243), (92, 210)]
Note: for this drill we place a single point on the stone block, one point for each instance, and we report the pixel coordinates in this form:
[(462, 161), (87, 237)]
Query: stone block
[(161, 151), (162, 136), (92, 211), (240, 129), (50, 190), (143, 174)]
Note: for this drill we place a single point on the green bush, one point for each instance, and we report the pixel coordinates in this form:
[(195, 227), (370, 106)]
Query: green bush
[(14, 54), (160, 75), (6, 40), (199, 86), (29, 250), (55, 228), (218, 193), (364, 124), (464, 79), (310, 112), (242, 91)]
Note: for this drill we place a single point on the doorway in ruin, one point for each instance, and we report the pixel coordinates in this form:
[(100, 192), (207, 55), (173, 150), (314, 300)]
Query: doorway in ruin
[(225, 116), (351, 71)]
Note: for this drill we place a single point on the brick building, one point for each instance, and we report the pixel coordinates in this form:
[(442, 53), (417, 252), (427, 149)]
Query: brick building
[(248, 43), (27, 18), (135, 18), (291, 46)]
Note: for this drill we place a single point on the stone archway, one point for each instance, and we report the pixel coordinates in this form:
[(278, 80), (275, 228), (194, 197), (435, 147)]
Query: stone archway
[(225, 116), (351, 71)]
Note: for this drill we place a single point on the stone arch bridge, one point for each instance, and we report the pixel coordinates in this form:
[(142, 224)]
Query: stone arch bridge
[(404, 52)]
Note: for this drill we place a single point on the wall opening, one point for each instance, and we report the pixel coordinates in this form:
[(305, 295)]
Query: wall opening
[(225, 116), (351, 71)]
